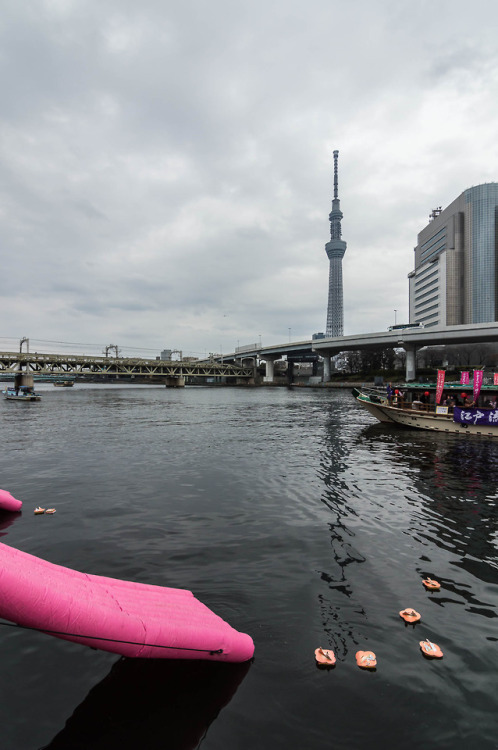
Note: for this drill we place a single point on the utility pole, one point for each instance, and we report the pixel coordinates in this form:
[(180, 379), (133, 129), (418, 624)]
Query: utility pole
[(111, 347)]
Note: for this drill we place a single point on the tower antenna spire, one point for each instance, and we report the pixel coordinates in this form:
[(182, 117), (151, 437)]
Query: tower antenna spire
[(336, 171)]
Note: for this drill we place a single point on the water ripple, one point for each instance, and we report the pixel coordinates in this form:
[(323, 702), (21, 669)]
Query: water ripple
[(294, 516)]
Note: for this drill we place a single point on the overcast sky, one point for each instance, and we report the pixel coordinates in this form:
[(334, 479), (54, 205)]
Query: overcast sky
[(166, 165)]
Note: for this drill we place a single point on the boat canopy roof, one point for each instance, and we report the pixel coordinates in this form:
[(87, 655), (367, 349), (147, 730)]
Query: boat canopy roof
[(449, 386)]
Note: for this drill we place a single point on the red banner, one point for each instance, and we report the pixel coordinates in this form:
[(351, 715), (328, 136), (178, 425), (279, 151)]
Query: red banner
[(464, 379), (495, 378), (477, 383), (439, 385)]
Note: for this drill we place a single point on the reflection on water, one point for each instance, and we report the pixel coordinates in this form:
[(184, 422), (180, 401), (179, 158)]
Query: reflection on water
[(298, 519), (151, 704), (7, 518), (457, 482), (404, 505)]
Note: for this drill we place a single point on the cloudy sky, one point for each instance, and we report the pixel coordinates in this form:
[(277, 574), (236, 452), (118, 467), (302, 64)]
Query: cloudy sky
[(166, 165)]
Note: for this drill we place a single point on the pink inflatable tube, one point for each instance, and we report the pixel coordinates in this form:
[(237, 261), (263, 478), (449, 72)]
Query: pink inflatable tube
[(131, 619), (8, 502)]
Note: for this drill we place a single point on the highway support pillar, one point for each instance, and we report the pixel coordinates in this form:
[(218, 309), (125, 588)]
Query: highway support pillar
[(270, 360), (326, 368), (290, 371), (411, 372)]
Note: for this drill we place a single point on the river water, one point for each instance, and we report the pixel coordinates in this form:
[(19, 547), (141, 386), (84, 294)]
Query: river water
[(299, 520)]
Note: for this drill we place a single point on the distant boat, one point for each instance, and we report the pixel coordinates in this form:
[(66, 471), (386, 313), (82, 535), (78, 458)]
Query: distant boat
[(63, 383), (23, 393)]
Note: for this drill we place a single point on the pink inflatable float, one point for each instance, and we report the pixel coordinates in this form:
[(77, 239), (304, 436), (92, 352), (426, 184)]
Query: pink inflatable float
[(131, 619), (8, 502)]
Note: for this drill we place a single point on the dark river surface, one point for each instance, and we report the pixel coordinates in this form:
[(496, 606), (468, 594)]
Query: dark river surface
[(299, 520)]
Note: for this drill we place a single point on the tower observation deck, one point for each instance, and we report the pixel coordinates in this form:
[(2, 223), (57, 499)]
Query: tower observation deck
[(335, 250)]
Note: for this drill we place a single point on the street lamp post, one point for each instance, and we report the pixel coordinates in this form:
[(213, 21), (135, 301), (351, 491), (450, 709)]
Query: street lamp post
[(395, 316)]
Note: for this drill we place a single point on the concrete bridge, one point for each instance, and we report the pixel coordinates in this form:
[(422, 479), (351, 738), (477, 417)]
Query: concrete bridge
[(409, 339)]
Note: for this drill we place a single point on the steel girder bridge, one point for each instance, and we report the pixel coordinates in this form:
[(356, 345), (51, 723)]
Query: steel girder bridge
[(171, 372)]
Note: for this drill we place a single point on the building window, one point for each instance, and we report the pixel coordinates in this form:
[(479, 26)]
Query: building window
[(426, 302)]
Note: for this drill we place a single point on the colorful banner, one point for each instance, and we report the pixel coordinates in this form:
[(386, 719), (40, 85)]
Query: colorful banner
[(439, 385), (475, 416), (495, 378), (464, 378), (477, 383)]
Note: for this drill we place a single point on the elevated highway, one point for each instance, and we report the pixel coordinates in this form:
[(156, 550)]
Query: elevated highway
[(409, 339)]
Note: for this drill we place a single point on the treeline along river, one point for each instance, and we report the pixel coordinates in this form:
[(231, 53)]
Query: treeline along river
[(296, 518)]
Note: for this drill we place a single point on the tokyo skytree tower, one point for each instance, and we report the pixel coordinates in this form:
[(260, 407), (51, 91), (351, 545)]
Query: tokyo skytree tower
[(335, 250)]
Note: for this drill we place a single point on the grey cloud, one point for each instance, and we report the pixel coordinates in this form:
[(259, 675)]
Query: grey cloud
[(169, 161)]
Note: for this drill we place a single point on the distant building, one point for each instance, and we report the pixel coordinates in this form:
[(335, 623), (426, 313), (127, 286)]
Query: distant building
[(335, 250), (455, 279)]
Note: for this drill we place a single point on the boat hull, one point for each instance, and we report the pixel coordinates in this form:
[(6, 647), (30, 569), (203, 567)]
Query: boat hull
[(375, 409), (422, 420), (13, 397)]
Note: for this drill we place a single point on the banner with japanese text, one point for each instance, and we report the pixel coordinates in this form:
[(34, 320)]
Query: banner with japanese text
[(439, 385), (477, 383), (495, 378), (475, 416), (464, 378)]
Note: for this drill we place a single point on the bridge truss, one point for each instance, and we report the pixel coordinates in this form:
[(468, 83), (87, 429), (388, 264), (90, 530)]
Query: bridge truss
[(86, 366)]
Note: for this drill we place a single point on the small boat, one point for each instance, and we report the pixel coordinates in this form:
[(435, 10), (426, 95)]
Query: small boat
[(63, 383), (410, 615), (325, 657), (23, 393), (414, 405), (431, 649), (431, 584), (366, 659)]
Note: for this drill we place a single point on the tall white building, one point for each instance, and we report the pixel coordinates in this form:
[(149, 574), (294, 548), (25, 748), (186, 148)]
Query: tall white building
[(455, 280), (335, 250)]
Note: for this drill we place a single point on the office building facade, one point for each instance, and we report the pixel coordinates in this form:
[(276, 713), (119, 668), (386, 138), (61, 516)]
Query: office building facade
[(455, 279)]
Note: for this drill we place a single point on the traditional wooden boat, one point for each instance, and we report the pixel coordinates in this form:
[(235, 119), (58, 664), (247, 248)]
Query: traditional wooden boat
[(414, 405)]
